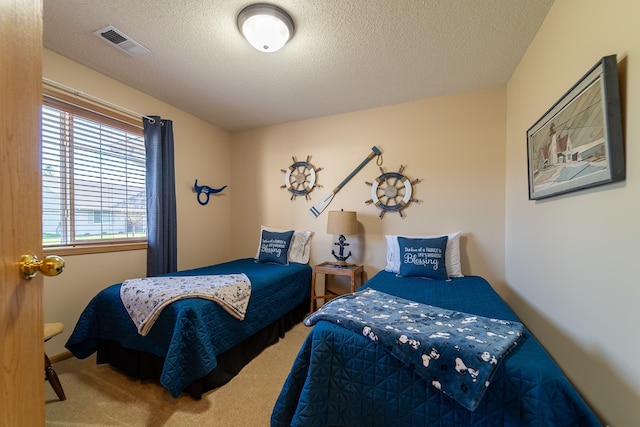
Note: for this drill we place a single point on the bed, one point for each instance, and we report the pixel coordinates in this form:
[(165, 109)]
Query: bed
[(342, 378), (195, 345)]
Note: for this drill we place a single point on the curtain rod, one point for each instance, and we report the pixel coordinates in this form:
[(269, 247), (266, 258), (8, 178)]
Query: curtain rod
[(102, 102)]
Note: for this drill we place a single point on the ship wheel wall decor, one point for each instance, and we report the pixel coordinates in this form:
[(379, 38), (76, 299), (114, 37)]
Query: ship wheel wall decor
[(300, 178), (392, 192)]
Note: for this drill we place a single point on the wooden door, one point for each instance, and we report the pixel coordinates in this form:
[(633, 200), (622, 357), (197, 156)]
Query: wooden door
[(21, 315)]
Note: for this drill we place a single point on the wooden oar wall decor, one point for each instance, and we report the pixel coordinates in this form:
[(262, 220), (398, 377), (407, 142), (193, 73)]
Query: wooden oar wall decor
[(320, 206)]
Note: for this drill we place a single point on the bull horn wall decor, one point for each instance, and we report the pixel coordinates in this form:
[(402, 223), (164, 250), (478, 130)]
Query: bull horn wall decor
[(205, 189)]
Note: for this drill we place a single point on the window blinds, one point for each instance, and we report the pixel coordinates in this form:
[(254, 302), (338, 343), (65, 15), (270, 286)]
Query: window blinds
[(93, 177)]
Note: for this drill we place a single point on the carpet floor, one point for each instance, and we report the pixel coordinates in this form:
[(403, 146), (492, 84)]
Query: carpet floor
[(99, 395)]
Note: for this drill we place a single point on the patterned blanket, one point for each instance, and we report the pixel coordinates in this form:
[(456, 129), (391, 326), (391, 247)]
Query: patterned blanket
[(145, 298), (456, 352)]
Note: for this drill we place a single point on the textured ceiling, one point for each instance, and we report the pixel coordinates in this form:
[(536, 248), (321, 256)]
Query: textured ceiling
[(346, 55)]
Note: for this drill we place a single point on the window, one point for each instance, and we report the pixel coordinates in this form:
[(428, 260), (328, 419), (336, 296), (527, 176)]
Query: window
[(101, 216), (93, 178)]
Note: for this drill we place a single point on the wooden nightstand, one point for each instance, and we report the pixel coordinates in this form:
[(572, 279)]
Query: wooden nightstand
[(330, 269)]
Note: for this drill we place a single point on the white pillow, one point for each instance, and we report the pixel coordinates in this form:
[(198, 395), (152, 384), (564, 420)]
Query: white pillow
[(299, 249), (452, 254)]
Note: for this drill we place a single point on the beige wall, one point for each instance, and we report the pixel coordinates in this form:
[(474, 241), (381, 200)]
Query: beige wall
[(454, 144), (571, 260), (201, 151)]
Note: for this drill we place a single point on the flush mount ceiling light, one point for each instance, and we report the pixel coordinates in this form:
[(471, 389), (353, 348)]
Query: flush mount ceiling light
[(265, 26)]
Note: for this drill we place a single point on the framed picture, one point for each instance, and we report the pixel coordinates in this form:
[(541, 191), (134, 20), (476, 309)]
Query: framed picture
[(578, 142)]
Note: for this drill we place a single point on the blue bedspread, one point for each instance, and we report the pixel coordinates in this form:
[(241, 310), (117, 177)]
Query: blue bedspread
[(190, 333), (455, 352), (340, 378)]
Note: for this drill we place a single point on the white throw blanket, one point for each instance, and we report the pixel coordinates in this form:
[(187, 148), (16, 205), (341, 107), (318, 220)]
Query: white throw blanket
[(145, 298)]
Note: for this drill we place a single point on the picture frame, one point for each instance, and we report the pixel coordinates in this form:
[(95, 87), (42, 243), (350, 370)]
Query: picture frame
[(578, 143)]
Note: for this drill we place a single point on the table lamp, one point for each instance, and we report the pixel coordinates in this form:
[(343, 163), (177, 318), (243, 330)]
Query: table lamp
[(340, 223)]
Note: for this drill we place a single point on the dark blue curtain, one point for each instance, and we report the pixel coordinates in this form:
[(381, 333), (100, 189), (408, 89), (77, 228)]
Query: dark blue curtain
[(162, 253)]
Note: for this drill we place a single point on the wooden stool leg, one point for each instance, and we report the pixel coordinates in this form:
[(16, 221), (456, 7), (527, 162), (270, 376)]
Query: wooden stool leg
[(52, 377), (313, 292)]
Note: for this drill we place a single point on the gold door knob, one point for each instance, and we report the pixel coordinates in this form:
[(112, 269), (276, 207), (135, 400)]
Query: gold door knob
[(51, 265)]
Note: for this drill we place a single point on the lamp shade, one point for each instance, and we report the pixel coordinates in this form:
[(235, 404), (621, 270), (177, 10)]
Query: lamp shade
[(342, 223), (265, 26)]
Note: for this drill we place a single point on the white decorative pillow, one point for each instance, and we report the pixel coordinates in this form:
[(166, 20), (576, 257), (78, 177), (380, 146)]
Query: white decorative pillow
[(299, 249), (452, 254)]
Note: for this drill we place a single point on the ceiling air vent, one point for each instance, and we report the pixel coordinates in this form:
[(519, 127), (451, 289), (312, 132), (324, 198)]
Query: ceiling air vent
[(120, 40)]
